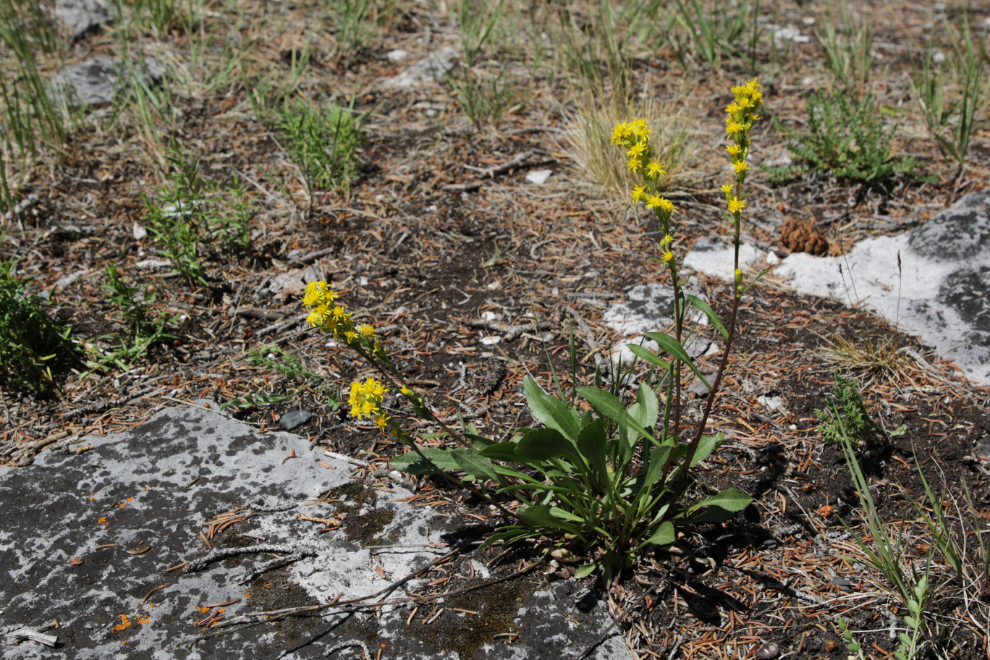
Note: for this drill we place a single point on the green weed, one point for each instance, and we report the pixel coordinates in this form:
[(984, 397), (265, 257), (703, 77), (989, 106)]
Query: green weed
[(321, 140), (851, 418), (30, 341), (189, 210), (275, 358), (142, 329), (847, 137)]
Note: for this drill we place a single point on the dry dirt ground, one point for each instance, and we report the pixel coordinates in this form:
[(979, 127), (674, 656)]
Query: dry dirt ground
[(428, 239)]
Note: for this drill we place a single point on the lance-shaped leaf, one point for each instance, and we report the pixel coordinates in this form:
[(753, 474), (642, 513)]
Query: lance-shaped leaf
[(720, 508), (710, 313), (550, 410), (542, 516), (673, 347), (608, 405)]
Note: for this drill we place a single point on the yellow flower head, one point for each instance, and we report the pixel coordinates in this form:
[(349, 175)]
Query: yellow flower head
[(667, 256), (734, 127), (366, 398), (638, 193), (736, 205), (654, 169), (317, 293), (666, 240), (634, 164), (636, 150), (740, 166), (666, 205), (727, 188), (731, 109), (733, 149), (621, 133), (406, 391), (639, 128), (381, 421), (366, 330), (654, 201)]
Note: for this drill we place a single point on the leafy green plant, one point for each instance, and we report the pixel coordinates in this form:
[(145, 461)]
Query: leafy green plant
[(189, 210), (142, 329), (952, 123), (356, 23), (845, 136), (855, 418), (322, 141), (598, 473), (30, 341), (275, 358)]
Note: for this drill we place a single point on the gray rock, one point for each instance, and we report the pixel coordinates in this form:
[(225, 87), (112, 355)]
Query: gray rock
[(650, 308), (295, 418), (151, 491), (716, 258), (95, 81), (425, 72), (941, 291), (81, 16)]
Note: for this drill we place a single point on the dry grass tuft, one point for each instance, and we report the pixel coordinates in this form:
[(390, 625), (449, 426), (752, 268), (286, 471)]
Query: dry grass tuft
[(876, 356), (589, 134)]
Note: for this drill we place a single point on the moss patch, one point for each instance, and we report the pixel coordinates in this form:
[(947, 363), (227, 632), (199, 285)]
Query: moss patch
[(365, 522), (496, 606)]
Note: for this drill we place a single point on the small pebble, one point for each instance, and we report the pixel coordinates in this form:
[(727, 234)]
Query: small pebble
[(291, 420), (768, 651)]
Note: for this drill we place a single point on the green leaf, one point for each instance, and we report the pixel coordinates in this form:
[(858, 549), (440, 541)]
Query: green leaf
[(608, 405), (646, 410), (564, 514), (650, 356), (658, 457), (542, 517), (665, 535), (543, 444), (706, 446), (729, 500), (501, 451), (673, 347), (550, 410), (412, 463), (705, 309), (475, 465), (591, 443), (585, 571)]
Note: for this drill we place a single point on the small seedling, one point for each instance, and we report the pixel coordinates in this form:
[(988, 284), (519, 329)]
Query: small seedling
[(142, 330), (321, 141), (30, 341), (847, 401)]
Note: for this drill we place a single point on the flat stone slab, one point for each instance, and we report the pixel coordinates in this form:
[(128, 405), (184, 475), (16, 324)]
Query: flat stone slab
[(86, 540), (940, 293), (97, 80)]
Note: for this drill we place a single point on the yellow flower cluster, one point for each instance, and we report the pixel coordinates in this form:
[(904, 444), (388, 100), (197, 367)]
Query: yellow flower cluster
[(635, 138), (366, 401), (327, 317), (741, 114)]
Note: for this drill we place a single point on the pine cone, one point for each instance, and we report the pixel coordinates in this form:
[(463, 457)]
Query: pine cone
[(803, 236), (493, 376)]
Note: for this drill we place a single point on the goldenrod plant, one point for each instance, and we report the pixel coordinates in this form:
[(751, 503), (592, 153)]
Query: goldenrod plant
[(599, 471)]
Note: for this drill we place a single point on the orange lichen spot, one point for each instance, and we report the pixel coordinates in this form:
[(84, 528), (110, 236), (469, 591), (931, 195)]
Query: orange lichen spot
[(103, 521), (202, 610), (143, 620), (124, 624), (248, 595)]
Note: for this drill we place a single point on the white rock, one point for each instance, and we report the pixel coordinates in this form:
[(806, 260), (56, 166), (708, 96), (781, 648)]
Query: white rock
[(138, 232), (539, 176), (397, 55)]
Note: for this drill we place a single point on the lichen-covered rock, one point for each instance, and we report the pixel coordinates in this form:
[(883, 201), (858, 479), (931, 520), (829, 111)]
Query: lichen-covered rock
[(798, 235)]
